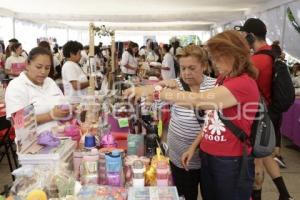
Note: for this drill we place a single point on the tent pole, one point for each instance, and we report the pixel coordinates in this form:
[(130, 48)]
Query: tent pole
[(91, 87), (14, 27), (283, 26), (46, 30), (68, 33), (111, 75)]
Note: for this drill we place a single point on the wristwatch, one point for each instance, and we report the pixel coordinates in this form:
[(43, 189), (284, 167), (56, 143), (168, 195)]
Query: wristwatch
[(156, 93)]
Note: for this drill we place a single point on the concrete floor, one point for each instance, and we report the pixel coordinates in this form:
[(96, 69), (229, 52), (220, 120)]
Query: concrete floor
[(291, 174)]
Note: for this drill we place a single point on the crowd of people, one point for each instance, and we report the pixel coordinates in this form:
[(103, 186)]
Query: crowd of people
[(226, 76), (245, 74)]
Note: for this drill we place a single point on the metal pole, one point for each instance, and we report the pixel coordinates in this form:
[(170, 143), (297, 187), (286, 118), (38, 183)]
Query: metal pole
[(91, 88), (283, 26), (14, 27)]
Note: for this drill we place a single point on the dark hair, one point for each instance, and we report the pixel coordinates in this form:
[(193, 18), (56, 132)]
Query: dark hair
[(71, 47), (132, 45), (38, 51), (296, 68), (2, 46), (55, 49), (86, 47), (13, 40), (15, 46), (166, 47), (231, 44), (97, 50), (260, 38), (149, 39), (152, 45), (175, 45), (276, 48), (45, 44)]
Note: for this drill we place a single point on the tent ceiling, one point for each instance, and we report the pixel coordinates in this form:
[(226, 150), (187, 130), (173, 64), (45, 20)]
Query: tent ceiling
[(142, 15)]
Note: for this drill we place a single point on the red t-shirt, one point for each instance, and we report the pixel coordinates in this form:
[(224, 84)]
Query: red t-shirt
[(219, 140), (264, 64)]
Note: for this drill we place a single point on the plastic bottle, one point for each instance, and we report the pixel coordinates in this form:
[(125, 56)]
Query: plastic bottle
[(138, 170), (151, 141)]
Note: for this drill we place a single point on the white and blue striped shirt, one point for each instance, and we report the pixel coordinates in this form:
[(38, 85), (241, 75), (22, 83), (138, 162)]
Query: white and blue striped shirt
[(184, 128)]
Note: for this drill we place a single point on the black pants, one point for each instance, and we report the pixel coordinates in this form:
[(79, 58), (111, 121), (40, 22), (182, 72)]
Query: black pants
[(125, 86), (128, 76), (186, 182), (276, 119)]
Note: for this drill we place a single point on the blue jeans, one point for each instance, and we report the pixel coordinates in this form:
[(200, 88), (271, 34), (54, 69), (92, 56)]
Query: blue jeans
[(221, 177)]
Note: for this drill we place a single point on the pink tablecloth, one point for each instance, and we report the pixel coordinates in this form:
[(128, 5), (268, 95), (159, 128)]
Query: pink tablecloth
[(291, 123), (2, 110)]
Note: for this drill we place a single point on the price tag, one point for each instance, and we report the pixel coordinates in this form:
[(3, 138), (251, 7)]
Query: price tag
[(123, 122)]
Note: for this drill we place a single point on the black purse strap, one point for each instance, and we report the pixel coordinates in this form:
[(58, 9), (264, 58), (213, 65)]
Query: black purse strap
[(238, 132), (266, 52), (242, 136), (199, 113)]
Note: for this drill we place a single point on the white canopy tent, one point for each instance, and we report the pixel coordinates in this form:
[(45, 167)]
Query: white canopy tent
[(28, 20), (141, 15), (279, 26)]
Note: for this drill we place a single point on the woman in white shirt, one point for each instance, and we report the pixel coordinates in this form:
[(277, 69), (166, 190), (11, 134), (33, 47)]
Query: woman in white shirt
[(296, 78), (167, 69), (33, 86), (15, 63), (129, 63), (152, 53), (74, 79)]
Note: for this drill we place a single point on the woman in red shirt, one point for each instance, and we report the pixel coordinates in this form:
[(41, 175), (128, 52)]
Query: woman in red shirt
[(236, 96)]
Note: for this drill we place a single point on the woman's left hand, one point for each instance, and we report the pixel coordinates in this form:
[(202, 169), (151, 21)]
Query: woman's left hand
[(138, 92)]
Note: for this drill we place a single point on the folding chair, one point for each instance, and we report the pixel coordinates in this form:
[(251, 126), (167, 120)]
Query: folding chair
[(6, 144)]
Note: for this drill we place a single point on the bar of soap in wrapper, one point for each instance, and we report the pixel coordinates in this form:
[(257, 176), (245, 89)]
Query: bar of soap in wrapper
[(89, 168), (135, 144)]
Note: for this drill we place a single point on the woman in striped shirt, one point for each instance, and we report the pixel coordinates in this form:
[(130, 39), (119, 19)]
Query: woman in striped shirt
[(184, 126)]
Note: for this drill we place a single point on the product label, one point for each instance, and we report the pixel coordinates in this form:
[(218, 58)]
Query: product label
[(123, 122)]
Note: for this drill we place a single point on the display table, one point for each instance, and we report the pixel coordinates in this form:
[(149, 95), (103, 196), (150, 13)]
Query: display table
[(2, 110), (291, 123)]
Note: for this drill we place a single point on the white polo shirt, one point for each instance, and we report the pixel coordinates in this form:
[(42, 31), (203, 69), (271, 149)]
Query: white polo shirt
[(71, 71), (127, 58), (21, 92), (14, 60), (168, 61)]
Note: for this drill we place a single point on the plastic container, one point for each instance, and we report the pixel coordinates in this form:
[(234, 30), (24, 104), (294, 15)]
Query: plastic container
[(138, 170), (162, 173), (113, 162), (89, 168)]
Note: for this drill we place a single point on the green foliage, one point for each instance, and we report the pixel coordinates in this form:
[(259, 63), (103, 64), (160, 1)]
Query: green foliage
[(103, 31), (187, 39), (293, 20)]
